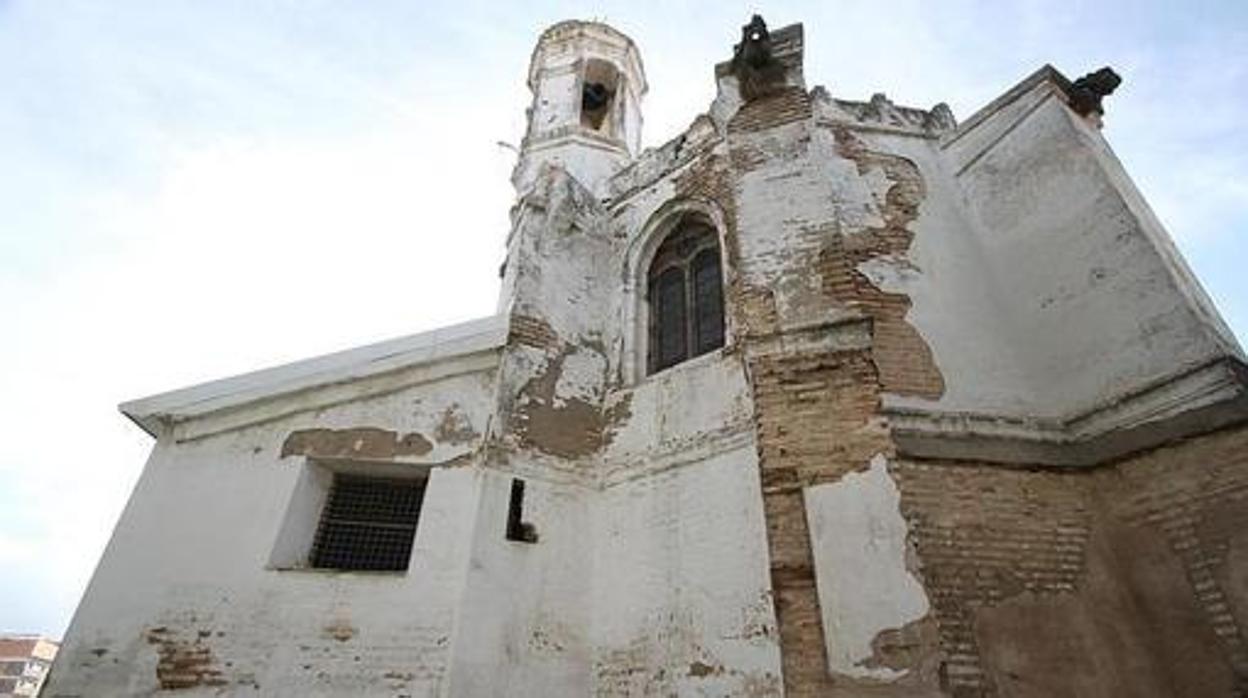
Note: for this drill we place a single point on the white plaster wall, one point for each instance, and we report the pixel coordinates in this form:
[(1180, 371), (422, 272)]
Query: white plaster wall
[(589, 160), (681, 601), (191, 554), (556, 101), (682, 413), (1094, 308), (523, 626), (954, 290), (787, 207), (559, 257), (858, 541)]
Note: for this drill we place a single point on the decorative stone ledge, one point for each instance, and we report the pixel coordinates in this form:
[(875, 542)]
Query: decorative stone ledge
[(1188, 403)]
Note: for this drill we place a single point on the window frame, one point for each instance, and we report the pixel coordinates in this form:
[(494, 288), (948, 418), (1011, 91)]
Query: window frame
[(642, 248), (685, 264), (294, 544)]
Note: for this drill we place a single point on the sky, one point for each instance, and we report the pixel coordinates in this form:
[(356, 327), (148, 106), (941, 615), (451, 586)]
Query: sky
[(191, 190)]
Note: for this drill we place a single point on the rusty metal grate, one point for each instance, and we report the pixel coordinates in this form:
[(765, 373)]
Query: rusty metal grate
[(368, 523)]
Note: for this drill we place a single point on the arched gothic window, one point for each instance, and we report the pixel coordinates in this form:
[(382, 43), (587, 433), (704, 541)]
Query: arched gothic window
[(685, 296)]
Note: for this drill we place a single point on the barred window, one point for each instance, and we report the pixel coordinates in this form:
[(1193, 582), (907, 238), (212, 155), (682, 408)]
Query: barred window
[(685, 296), (368, 523)]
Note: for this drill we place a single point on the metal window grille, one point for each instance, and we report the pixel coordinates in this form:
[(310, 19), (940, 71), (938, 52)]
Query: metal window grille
[(368, 523)]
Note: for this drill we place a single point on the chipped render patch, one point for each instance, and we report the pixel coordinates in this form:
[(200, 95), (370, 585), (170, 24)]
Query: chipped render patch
[(858, 538), (581, 378), (359, 442), (455, 427)]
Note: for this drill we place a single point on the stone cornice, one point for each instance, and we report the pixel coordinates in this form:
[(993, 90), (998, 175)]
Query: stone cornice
[(158, 413), (1187, 403)]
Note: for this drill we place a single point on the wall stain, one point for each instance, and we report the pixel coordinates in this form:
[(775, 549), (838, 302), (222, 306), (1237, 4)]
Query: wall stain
[(913, 648), (700, 669), (454, 427), (360, 442), (184, 663), (564, 426), (340, 630)]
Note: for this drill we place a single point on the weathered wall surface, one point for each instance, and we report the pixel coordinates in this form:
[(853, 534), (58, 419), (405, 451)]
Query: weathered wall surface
[(940, 341), (1090, 272), (681, 603), (641, 587), (523, 622), (186, 597), (753, 521), (681, 600), (554, 375), (819, 222), (830, 221), (1124, 581)]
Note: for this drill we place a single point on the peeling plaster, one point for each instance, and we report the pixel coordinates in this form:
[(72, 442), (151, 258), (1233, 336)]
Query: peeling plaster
[(361, 442), (858, 537), (454, 427), (741, 482)]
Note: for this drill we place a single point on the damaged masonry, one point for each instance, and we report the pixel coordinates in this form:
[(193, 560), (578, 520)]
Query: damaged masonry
[(822, 397)]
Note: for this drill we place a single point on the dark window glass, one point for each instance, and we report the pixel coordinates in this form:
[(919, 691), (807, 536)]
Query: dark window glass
[(368, 523), (672, 343), (685, 297), (708, 302)]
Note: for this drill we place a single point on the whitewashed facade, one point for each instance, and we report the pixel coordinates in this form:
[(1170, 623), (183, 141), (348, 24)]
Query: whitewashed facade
[(905, 298)]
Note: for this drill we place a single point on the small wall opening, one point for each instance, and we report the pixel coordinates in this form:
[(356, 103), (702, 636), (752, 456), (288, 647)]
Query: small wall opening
[(599, 89), (517, 528)]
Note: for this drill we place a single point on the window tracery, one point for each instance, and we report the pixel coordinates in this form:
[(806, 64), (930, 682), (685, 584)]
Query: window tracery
[(685, 296)]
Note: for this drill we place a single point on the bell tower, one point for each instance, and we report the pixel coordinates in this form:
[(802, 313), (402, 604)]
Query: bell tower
[(587, 82)]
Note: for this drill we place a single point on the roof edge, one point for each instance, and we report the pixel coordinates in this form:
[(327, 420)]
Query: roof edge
[(1045, 73), (154, 413)]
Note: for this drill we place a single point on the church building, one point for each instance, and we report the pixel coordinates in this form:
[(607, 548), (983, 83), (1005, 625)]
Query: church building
[(822, 397)]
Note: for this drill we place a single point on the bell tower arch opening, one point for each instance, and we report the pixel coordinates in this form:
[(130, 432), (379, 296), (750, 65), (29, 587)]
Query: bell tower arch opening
[(599, 87), (587, 82)]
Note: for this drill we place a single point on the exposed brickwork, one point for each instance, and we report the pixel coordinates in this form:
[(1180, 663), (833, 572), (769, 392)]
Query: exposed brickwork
[(816, 420), (531, 331), (905, 360), (755, 314), (817, 414), (753, 309), (1194, 495), (986, 534), (989, 535), (986, 538), (785, 106), (184, 663)]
